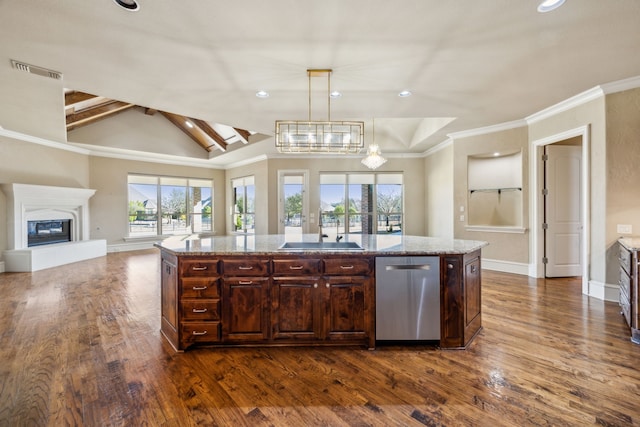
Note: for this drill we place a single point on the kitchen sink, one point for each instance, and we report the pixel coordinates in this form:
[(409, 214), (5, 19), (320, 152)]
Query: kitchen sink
[(301, 246)]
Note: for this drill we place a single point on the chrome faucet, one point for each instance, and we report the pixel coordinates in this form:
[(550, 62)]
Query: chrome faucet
[(320, 234)]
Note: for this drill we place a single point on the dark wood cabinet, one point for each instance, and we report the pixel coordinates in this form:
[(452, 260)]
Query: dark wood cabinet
[(628, 287), (306, 300), (460, 306)]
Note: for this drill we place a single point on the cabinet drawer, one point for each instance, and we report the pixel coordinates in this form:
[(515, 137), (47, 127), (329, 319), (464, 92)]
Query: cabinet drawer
[(200, 332), (200, 309), (200, 287), (625, 259), (625, 283), (625, 307), (245, 267), (296, 267), (347, 266), (199, 268)]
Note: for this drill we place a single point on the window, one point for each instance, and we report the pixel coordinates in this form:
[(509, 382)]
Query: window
[(361, 203), (167, 205), (244, 205)]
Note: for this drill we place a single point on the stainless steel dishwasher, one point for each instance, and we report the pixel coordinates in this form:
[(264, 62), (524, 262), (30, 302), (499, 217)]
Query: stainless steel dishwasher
[(408, 298)]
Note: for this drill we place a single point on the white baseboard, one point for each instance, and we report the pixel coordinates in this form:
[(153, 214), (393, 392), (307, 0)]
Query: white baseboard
[(130, 246), (1, 266), (604, 291), (506, 266)]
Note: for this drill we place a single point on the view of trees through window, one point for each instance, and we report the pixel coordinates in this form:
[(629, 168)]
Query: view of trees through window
[(244, 196), (361, 203), (167, 205)]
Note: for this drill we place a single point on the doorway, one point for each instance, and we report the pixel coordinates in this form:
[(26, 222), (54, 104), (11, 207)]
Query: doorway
[(537, 267), (293, 204)]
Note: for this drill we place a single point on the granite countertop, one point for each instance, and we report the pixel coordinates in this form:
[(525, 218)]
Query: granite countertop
[(631, 243), (392, 244)]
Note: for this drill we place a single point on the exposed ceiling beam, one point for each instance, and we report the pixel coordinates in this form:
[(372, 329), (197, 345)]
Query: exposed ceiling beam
[(204, 126), (192, 132), (93, 114), (243, 134), (75, 97)]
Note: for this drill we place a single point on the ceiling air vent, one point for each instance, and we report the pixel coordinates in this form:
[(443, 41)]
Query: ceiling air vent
[(36, 70)]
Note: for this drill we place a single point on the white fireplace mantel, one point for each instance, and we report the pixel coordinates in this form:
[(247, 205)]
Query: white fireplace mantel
[(27, 202)]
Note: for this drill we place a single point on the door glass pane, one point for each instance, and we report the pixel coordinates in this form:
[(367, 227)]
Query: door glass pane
[(200, 207), (332, 205), (293, 186)]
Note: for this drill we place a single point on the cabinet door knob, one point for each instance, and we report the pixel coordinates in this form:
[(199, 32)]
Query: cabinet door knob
[(315, 285), (450, 266), (328, 285)]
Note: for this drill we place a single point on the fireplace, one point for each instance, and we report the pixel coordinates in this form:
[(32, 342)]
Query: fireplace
[(48, 232), (48, 226)]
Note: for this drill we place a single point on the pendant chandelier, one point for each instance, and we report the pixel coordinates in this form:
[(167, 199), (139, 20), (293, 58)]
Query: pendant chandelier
[(339, 137), (374, 157)]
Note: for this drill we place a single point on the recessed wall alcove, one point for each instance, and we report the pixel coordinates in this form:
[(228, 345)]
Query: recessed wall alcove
[(495, 191)]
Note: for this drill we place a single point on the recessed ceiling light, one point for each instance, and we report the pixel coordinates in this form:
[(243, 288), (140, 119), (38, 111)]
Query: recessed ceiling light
[(335, 94), (404, 94), (262, 94), (130, 5), (188, 123), (496, 154), (549, 5)]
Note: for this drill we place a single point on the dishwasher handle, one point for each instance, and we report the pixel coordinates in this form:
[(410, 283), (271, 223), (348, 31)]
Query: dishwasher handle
[(408, 267)]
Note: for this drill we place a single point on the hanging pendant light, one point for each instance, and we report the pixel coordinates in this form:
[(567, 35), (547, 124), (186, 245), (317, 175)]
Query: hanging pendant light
[(341, 137), (374, 157)]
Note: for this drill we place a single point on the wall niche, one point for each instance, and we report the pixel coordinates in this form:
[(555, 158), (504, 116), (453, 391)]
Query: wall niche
[(494, 182)]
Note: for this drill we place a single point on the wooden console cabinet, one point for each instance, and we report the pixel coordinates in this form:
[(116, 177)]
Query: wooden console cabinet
[(628, 282), (306, 299)]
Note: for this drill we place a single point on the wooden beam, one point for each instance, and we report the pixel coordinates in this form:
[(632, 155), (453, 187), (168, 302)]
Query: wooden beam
[(93, 114), (243, 134), (181, 123), (211, 133), (75, 97), (150, 111)]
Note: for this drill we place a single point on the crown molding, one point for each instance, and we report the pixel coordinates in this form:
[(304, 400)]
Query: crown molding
[(488, 129), (567, 104), (42, 141), (441, 146), (621, 85)]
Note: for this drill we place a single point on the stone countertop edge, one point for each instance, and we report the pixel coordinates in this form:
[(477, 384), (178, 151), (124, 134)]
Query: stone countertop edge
[(270, 245), (631, 243)]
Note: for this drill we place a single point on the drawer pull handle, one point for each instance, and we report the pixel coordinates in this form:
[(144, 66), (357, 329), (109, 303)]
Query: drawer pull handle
[(199, 310), (295, 267), (246, 282), (245, 268), (199, 288), (346, 267), (198, 333), (199, 268)]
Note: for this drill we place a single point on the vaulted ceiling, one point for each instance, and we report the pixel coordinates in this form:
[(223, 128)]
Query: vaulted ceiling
[(467, 63)]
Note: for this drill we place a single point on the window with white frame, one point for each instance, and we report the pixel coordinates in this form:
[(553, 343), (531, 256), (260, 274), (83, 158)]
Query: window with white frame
[(244, 198), (161, 205), (361, 203)]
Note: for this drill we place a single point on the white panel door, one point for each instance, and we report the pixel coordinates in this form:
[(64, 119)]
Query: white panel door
[(563, 237)]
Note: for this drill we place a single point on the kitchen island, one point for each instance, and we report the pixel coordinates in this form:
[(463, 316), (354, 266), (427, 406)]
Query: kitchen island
[(248, 290)]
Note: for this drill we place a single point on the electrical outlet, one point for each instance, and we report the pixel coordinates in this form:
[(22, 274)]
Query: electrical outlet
[(462, 218), (624, 229)]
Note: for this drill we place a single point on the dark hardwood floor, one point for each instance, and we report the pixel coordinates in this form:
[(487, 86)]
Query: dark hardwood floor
[(80, 346)]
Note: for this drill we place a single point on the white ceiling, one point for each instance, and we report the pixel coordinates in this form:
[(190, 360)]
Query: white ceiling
[(468, 63)]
